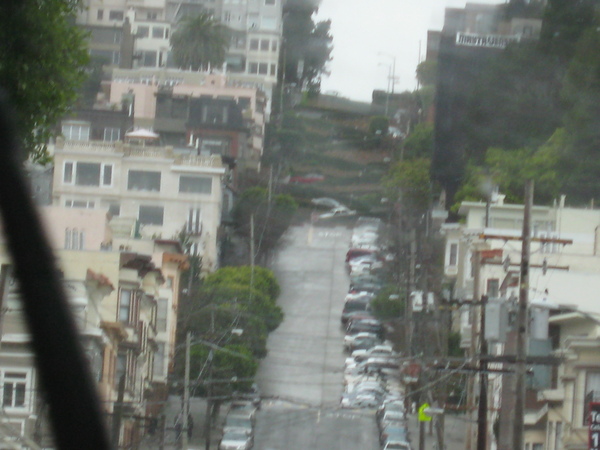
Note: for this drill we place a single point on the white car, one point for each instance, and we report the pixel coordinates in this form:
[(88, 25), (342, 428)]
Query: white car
[(350, 338), (327, 202), (235, 440), (340, 211)]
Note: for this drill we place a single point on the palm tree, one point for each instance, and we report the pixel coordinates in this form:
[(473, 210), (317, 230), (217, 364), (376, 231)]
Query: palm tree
[(199, 42)]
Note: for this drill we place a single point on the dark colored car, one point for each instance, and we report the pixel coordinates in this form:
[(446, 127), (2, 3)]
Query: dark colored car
[(355, 306)]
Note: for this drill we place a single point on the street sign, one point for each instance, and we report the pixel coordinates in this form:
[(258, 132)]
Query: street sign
[(594, 426), (423, 416)]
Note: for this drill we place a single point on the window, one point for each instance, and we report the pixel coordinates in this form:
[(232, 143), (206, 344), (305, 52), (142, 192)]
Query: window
[(149, 59), (453, 259), (86, 204), (128, 306), (493, 288), (253, 67), (162, 314), (126, 365), (76, 131), (142, 32), (273, 70), (114, 209), (68, 173), (116, 15), (253, 44), (158, 32), (269, 2), (107, 175), (143, 180), (14, 389), (151, 215), (152, 16), (100, 14), (159, 359), (112, 134), (198, 185), (109, 56), (194, 223), (74, 239), (269, 23), (592, 393), (263, 68), (264, 45), (274, 46), (87, 174)]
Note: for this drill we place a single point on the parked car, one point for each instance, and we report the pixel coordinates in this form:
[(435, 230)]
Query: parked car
[(393, 444), (358, 252), (340, 211), (391, 419), (357, 325), (351, 339), (252, 394), (354, 306), (394, 432), (390, 405), (238, 424), (235, 440), (326, 202), (242, 408)]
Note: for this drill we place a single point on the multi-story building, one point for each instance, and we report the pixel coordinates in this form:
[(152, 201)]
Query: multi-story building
[(162, 191), (137, 34), (563, 271), (123, 294), (206, 112)]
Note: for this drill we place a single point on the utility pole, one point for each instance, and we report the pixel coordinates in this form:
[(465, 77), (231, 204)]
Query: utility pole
[(473, 313), (186, 392), (483, 382), (251, 252), (208, 419), (411, 288), (521, 350)]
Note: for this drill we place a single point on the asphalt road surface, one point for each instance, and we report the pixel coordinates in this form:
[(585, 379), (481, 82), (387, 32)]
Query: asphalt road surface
[(303, 372)]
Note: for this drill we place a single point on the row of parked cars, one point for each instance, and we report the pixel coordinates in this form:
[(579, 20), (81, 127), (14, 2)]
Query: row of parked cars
[(238, 429), (372, 369)]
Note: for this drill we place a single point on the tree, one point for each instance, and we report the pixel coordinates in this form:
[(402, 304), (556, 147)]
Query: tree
[(199, 42), (379, 125), (263, 279), (419, 143), (43, 57), (408, 181), (427, 72), (307, 45), (271, 219)]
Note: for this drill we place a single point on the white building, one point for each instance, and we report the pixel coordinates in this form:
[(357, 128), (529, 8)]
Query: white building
[(563, 273), (161, 191)]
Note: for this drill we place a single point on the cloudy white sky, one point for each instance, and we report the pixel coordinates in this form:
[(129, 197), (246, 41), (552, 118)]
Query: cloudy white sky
[(369, 34)]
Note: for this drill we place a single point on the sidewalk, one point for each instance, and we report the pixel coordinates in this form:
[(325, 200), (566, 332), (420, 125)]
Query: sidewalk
[(454, 433), (198, 414)]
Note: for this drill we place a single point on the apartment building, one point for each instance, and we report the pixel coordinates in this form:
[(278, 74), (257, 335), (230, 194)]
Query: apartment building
[(124, 301), (137, 34), (207, 112), (563, 277), (161, 190)]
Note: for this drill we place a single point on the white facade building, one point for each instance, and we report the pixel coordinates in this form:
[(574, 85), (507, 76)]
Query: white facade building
[(161, 191)]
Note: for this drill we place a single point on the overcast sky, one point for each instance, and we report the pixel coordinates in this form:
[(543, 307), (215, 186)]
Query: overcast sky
[(369, 34)]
